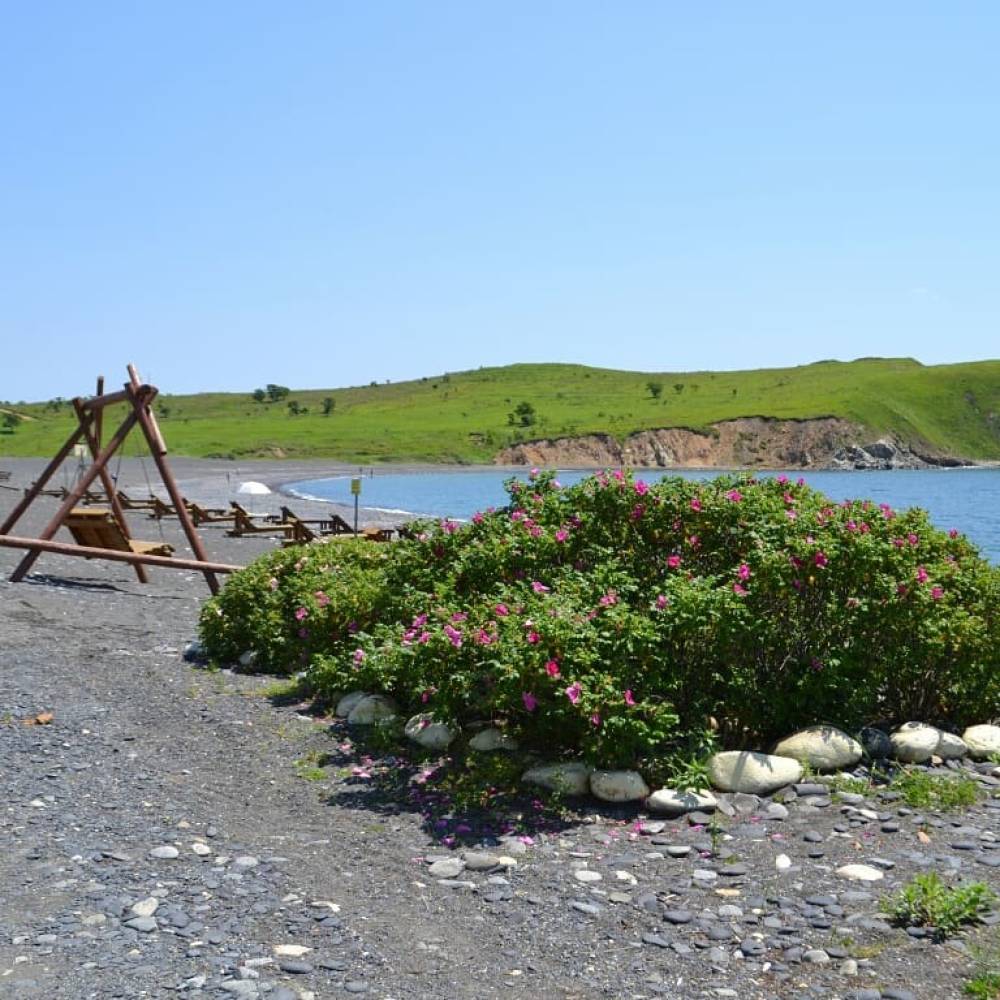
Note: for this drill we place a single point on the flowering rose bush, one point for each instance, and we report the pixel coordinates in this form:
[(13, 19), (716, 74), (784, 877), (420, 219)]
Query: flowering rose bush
[(616, 618)]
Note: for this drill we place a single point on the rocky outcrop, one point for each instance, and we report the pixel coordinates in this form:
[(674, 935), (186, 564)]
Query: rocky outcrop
[(747, 442), (888, 454)]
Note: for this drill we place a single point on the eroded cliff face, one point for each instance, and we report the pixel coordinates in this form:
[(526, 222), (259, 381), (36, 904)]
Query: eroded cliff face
[(747, 442)]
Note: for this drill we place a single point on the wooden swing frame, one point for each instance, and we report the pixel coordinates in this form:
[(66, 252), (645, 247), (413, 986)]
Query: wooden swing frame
[(139, 398)]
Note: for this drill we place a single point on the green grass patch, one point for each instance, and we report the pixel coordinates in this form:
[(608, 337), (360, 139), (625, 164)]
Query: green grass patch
[(467, 416), (309, 767), (944, 793), (985, 981), (984, 986)]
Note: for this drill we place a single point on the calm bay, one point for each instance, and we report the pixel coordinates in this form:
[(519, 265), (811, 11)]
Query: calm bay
[(967, 499)]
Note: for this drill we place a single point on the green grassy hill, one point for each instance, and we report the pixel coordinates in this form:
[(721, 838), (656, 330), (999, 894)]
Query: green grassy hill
[(464, 416)]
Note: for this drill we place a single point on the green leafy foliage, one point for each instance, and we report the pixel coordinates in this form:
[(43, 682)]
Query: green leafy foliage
[(936, 791), (616, 619), (984, 986), (926, 901)]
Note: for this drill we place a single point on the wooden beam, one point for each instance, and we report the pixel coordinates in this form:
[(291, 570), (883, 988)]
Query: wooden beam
[(137, 558)]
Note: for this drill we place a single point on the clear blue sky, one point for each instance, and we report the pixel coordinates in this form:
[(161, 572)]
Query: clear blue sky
[(322, 194)]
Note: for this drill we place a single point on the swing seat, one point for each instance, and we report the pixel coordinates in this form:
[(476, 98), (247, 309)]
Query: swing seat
[(97, 528)]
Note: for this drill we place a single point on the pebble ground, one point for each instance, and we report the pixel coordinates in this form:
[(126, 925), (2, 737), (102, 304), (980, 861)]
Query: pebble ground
[(173, 831)]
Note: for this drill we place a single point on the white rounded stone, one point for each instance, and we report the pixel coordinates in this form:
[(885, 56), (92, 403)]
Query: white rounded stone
[(618, 786), (951, 747), (491, 739), (291, 950), (915, 742), (202, 850), (674, 802), (372, 709), (782, 862), (146, 907), (248, 658), (983, 741), (571, 778), (424, 731), (446, 868), (860, 873), (348, 702), (751, 772), (165, 853), (586, 875), (824, 748)]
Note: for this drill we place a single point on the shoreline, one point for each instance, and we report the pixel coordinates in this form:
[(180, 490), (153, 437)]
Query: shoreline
[(214, 482)]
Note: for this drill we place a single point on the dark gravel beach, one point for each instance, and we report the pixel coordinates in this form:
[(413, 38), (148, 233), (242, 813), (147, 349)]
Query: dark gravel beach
[(174, 831)]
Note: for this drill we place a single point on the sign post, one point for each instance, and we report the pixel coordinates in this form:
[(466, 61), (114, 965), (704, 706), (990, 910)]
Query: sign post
[(356, 490)]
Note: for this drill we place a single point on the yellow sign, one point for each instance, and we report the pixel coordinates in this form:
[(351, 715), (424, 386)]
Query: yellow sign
[(356, 487)]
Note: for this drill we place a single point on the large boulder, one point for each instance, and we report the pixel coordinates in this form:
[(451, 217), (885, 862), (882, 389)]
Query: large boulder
[(876, 743), (983, 741), (915, 742), (618, 786), (346, 704), (824, 748), (951, 747), (426, 732), (675, 802), (755, 773), (570, 778), (491, 739), (371, 710)]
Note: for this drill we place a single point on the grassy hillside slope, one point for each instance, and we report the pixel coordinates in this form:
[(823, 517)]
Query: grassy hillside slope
[(463, 416)]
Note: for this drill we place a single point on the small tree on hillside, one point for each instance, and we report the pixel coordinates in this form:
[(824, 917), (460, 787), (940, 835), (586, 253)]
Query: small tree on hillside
[(259, 395), (328, 404), (655, 389), (524, 415), (275, 393)]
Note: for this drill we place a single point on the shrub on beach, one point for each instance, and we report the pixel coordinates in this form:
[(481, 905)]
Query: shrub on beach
[(615, 618)]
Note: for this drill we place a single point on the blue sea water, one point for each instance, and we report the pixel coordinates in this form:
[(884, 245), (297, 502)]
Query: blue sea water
[(967, 499)]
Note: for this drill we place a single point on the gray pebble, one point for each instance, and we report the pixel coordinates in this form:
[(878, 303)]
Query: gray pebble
[(295, 966)]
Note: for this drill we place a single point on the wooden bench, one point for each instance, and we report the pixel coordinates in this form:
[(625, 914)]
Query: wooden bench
[(97, 528), (243, 524), (332, 524), (208, 515)]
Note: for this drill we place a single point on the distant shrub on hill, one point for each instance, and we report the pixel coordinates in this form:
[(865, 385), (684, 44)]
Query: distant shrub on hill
[(616, 618)]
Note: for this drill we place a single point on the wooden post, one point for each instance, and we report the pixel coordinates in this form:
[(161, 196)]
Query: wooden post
[(114, 555), (141, 400)]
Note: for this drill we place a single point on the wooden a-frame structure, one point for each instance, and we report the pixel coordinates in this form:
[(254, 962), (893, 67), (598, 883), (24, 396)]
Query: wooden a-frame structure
[(139, 397)]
